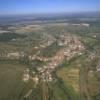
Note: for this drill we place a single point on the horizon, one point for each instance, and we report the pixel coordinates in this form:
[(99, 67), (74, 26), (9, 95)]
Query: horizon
[(60, 14), (25, 7)]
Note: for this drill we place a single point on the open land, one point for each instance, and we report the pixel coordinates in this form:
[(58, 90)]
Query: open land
[(48, 59)]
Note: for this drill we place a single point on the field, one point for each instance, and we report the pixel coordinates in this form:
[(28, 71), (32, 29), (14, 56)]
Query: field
[(11, 83), (57, 68)]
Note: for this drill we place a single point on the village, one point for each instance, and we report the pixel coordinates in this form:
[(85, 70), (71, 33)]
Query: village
[(72, 46)]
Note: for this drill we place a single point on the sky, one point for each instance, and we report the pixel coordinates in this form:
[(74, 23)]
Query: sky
[(47, 6)]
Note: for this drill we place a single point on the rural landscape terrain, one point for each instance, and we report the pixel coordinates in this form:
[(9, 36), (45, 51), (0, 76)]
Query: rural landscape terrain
[(47, 57)]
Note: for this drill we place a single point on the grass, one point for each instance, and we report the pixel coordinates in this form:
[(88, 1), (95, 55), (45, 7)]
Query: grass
[(69, 73), (70, 76), (11, 84), (61, 91), (93, 84)]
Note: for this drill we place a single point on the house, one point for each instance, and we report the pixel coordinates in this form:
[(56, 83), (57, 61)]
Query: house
[(15, 55), (85, 24)]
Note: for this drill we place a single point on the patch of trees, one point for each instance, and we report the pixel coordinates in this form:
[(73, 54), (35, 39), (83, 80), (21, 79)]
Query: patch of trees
[(51, 50), (6, 37)]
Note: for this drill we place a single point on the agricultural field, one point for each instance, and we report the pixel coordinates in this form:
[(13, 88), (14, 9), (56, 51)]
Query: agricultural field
[(50, 60), (12, 86)]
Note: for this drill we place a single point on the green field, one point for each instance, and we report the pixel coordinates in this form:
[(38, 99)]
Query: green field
[(11, 84)]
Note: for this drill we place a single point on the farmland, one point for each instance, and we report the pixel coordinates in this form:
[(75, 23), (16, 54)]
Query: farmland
[(48, 59)]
